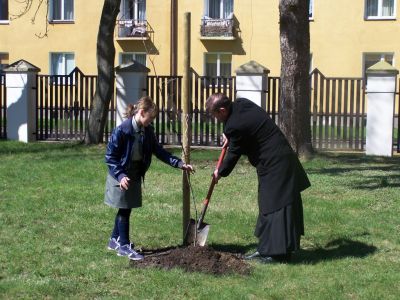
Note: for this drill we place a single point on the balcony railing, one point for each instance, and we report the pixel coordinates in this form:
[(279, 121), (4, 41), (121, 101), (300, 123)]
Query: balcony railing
[(217, 28), (130, 29)]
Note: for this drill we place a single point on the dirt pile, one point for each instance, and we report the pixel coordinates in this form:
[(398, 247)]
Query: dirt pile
[(194, 259)]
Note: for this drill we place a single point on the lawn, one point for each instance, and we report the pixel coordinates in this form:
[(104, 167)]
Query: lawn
[(54, 229)]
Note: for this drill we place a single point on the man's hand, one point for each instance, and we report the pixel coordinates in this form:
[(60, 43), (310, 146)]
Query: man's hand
[(124, 184), (216, 176), (225, 141)]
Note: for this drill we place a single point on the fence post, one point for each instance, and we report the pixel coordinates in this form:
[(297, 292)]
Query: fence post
[(381, 89), (252, 82), (130, 86), (21, 101)]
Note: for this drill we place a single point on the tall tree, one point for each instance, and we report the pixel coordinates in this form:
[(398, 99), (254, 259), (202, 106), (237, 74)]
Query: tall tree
[(294, 113), (105, 71)]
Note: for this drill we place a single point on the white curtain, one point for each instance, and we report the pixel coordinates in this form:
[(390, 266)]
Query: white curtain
[(310, 8), (62, 63), (228, 9), (225, 70), (126, 10), (130, 57), (141, 10), (68, 9), (56, 64), (56, 10), (372, 8), (69, 63), (387, 8), (214, 9)]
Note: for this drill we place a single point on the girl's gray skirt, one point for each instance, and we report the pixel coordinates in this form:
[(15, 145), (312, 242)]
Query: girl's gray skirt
[(131, 198)]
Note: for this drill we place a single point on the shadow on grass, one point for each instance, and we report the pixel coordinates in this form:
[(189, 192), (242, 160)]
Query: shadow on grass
[(348, 163), (336, 249), (233, 248), (12, 147)]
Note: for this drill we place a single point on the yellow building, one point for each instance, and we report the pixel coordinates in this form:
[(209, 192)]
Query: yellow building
[(346, 36)]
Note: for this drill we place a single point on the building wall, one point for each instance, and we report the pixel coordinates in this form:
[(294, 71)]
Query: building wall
[(339, 36)]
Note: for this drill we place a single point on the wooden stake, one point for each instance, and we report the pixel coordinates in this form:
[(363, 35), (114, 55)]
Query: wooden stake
[(186, 122)]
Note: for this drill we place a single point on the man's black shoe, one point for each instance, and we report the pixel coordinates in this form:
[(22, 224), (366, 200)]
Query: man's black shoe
[(254, 256), (268, 259)]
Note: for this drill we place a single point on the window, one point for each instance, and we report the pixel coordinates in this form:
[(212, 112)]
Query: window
[(369, 59), (3, 61), (133, 10), (128, 57), (3, 64), (218, 9), (311, 10), (3, 11), (61, 10), (62, 63), (380, 9), (218, 64)]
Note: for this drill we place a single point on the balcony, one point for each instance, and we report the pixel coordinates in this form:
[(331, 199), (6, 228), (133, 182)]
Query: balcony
[(133, 30), (217, 29)]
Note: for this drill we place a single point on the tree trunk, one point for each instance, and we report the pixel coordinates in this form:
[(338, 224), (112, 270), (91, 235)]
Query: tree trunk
[(105, 72), (294, 112)]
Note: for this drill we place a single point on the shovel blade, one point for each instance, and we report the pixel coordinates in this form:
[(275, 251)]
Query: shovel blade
[(196, 236), (202, 234)]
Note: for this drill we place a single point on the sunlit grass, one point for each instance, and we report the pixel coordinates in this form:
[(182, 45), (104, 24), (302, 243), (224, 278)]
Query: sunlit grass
[(54, 228)]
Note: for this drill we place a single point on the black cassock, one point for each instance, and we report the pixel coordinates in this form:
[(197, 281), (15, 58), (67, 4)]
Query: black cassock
[(281, 177)]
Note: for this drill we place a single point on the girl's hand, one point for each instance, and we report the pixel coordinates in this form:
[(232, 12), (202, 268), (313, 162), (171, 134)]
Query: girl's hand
[(188, 168), (124, 184)]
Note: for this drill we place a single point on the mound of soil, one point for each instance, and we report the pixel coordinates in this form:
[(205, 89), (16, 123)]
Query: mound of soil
[(194, 259)]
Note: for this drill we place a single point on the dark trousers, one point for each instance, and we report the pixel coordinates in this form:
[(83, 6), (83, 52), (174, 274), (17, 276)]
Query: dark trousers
[(121, 226)]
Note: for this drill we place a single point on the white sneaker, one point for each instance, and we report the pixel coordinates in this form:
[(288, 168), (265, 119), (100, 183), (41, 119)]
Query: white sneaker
[(126, 250)]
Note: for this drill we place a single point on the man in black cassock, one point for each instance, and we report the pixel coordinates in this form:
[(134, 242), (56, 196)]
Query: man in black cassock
[(281, 177)]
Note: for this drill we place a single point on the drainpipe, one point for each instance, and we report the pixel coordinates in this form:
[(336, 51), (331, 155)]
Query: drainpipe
[(173, 63)]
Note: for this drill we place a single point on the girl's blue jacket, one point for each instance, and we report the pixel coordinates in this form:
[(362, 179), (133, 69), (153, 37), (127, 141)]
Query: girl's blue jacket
[(119, 150)]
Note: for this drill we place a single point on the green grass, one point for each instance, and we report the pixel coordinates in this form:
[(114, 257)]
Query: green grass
[(54, 228)]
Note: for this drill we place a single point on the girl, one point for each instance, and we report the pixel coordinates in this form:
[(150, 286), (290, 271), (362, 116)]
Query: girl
[(128, 157)]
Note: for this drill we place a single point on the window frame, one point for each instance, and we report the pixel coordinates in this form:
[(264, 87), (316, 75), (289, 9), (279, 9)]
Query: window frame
[(379, 16), (2, 66), (62, 7), (51, 68), (132, 53), (218, 62), (7, 20), (382, 54), (221, 9), (311, 4), (135, 8)]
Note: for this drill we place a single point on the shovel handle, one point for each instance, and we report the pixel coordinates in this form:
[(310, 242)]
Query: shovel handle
[(211, 188)]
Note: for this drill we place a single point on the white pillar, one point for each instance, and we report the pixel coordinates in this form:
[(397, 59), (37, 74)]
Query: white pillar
[(252, 82), (381, 89), (21, 101), (130, 86)]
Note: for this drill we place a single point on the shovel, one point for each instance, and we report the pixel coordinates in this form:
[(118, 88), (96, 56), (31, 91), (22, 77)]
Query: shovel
[(198, 231)]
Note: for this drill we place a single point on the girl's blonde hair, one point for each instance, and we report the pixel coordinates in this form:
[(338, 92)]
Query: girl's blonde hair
[(145, 103)]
